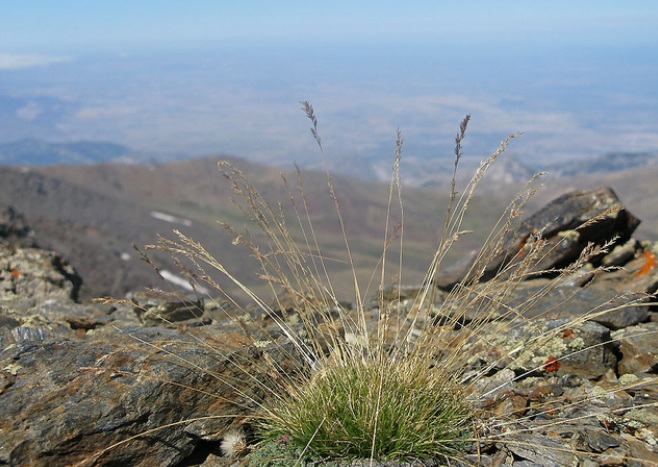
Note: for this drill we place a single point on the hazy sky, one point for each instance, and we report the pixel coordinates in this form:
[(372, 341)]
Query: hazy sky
[(579, 78), (38, 25)]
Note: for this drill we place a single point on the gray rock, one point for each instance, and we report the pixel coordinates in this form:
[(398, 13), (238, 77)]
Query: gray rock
[(638, 275), (66, 402), (546, 451), (565, 224), (156, 308), (599, 440), (638, 346), (546, 301), (621, 254), (35, 273), (547, 346)]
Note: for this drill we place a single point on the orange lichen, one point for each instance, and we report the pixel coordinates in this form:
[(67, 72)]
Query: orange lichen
[(649, 263), (567, 334), (551, 364), (15, 273), (523, 243)]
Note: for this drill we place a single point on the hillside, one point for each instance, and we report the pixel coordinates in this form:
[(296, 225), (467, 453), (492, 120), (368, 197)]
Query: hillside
[(93, 213)]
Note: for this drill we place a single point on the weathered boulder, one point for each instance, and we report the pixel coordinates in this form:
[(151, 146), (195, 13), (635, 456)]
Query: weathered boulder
[(601, 306), (79, 381), (639, 347), (37, 292), (34, 273), (547, 451), (546, 299), (638, 274), (542, 346), (68, 402), (156, 308), (568, 223)]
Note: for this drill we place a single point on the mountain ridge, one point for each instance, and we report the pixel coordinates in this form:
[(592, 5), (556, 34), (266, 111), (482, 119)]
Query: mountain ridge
[(32, 151), (509, 170), (93, 213)]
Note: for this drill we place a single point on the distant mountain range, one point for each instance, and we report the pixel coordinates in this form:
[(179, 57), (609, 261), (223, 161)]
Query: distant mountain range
[(608, 163), (38, 152), (508, 170), (31, 151)]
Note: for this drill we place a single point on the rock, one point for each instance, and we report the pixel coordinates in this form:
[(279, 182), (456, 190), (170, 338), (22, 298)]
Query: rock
[(37, 294), (598, 440), (639, 274), (541, 299), (546, 451), (605, 307), (640, 455), (566, 223), (638, 346), (548, 346), (156, 308), (63, 402), (621, 254), (35, 273)]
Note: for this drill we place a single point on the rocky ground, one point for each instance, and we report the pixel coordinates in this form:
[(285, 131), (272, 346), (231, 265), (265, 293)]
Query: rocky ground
[(116, 384)]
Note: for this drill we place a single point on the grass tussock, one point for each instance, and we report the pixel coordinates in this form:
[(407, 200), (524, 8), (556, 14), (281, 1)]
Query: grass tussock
[(364, 408), (386, 378)]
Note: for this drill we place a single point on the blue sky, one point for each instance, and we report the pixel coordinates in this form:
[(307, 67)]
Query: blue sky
[(37, 26), (579, 78)]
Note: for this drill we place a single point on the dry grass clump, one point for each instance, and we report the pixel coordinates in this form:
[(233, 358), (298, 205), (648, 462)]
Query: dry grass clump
[(389, 379)]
